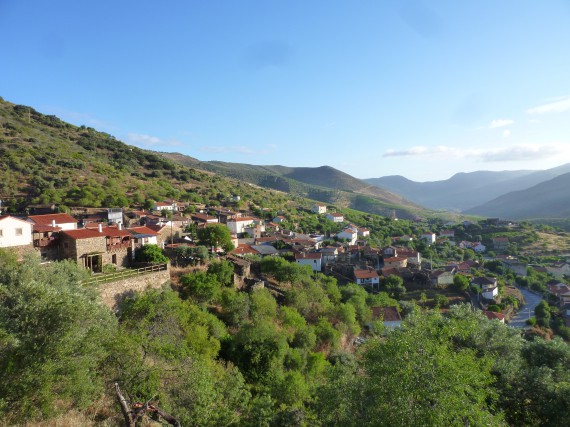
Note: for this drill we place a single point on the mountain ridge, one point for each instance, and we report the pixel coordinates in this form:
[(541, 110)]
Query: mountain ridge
[(466, 190)]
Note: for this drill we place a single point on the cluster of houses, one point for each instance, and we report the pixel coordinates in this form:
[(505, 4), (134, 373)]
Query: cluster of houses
[(58, 236), (111, 237)]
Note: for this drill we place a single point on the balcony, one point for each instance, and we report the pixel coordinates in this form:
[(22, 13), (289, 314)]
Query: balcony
[(45, 242), (118, 246)]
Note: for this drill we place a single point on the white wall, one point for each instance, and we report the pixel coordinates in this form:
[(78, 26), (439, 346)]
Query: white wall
[(15, 232)]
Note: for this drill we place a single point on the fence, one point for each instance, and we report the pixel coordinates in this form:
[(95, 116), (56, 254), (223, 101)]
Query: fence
[(124, 274)]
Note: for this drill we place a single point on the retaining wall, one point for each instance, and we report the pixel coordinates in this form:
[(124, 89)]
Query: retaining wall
[(114, 292)]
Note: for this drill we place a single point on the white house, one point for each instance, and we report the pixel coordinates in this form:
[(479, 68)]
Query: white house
[(363, 232), (349, 234), (429, 237), (314, 259), (367, 277), (61, 220), (163, 206), (490, 291), (143, 236), (335, 217), (238, 225), (319, 208), (14, 232)]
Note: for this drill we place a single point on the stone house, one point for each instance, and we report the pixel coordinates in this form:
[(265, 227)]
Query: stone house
[(95, 248)]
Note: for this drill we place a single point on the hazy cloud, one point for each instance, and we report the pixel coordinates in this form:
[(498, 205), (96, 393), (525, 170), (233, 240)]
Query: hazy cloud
[(525, 152), (506, 133), (512, 153), (419, 151), (151, 141), (500, 123), (558, 106), (240, 149)]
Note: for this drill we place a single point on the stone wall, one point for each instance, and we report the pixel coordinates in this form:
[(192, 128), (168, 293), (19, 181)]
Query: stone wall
[(114, 292)]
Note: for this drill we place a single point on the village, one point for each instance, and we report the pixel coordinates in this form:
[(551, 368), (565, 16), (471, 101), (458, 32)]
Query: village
[(106, 241)]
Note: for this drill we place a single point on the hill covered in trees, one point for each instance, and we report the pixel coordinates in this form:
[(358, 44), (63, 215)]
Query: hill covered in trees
[(322, 183), (213, 355), (45, 160)]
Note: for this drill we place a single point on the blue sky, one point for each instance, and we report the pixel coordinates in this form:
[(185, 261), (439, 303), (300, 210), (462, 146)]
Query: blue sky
[(423, 89)]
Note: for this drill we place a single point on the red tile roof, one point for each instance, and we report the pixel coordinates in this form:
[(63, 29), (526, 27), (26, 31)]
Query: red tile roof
[(90, 233), (388, 314), (365, 274), (59, 218), (83, 233), (491, 315), (310, 255), (395, 259)]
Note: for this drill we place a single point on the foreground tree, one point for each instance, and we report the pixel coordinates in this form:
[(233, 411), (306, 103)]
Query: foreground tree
[(216, 235), (54, 338)]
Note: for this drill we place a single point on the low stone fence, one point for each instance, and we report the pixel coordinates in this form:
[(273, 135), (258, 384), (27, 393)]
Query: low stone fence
[(115, 287)]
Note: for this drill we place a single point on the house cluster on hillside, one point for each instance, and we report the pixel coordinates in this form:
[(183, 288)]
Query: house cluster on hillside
[(91, 244)]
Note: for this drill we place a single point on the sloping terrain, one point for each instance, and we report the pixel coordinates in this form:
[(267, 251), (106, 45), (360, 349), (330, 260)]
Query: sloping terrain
[(323, 183), (466, 190), (550, 199), (45, 160)]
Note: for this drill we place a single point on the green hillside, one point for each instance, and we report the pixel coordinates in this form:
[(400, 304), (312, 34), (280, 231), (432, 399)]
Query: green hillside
[(323, 183), (45, 160), (549, 199)]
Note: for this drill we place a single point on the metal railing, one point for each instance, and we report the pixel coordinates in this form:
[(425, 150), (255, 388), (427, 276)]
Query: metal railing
[(124, 274)]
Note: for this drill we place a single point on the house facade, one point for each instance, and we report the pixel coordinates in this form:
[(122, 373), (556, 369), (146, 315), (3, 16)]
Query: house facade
[(335, 217), (15, 232), (367, 277), (94, 248), (319, 208), (61, 220), (314, 259), (238, 225)]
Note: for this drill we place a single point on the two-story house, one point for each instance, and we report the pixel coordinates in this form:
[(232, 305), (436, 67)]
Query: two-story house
[(95, 248), (314, 259)]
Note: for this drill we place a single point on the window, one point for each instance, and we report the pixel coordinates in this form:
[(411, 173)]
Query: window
[(19, 232), (0, 232)]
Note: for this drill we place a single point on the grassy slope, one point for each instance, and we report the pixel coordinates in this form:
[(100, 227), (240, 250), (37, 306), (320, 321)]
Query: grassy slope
[(324, 183), (45, 160)]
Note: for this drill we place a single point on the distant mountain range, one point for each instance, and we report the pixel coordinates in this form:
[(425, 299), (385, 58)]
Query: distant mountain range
[(45, 160), (470, 192), (549, 199), (322, 183)]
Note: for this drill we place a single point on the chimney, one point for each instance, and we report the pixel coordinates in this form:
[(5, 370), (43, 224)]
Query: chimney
[(120, 225), (53, 223), (100, 228)]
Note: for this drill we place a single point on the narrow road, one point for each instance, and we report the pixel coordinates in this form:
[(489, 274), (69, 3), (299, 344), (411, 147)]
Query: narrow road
[(527, 310)]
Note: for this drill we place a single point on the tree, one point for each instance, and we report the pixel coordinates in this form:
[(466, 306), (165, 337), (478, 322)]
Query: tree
[(215, 236), (202, 287), (54, 340), (152, 254), (460, 282), (395, 286), (224, 271), (415, 376)]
